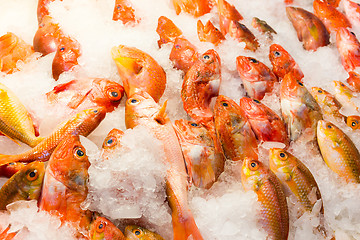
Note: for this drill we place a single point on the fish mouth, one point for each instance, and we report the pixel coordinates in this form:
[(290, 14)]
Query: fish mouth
[(126, 65)]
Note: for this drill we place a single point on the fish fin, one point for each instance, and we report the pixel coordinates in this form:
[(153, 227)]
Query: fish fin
[(64, 86), (161, 117), (36, 141), (11, 138), (184, 227), (77, 99)]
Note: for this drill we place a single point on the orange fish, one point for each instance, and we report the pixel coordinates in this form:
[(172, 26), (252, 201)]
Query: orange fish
[(257, 78), (233, 130), (200, 84), (332, 18), (141, 109), (138, 70), (334, 3), (227, 14), (67, 53), (204, 163), (274, 215), (352, 11), (103, 229), (195, 8), (349, 49), (167, 31), (263, 27), (241, 33), (265, 123), (133, 232), (65, 183), (354, 81), (82, 123), (283, 63), (43, 9), (111, 143), (330, 106), (183, 54), (310, 30), (5, 235), (12, 50), (288, 2), (125, 12), (209, 33), (353, 122), (100, 92)]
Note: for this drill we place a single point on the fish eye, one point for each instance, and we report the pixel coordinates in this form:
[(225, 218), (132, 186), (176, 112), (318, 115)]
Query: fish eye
[(62, 49), (225, 104), (353, 34), (354, 124), (100, 227), (115, 95), (300, 83), (109, 142), (79, 153), (329, 126), (194, 124), (177, 46), (257, 101), (206, 57), (253, 60), (32, 175), (320, 91), (253, 165), (283, 155), (137, 232), (277, 53), (341, 84), (133, 100)]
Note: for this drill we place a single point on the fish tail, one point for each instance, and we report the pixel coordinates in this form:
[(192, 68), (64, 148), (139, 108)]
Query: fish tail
[(184, 227)]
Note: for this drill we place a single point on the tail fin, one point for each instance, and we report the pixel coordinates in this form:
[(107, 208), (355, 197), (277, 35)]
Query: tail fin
[(184, 227)]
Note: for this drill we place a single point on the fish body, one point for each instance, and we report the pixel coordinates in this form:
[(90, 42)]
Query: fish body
[(167, 31), (274, 216), (283, 63), (257, 78), (65, 182), (300, 110), (87, 93), (338, 152), (124, 12), (295, 176), (241, 33), (133, 232), (103, 229), (196, 8), (263, 27), (352, 11), (330, 16), (330, 107), (183, 54), (349, 49), (24, 185), (204, 162), (227, 14), (12, 50), (15, 120), (265, 123), (200, 84), (209, 33), (141, 109), (82, 123), (310, 30), (138, 70), (111, 143), (346, 96), (47, 37), (233, 130)]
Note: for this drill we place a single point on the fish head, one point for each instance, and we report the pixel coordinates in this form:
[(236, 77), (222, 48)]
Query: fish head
[(319, 94), (191, 130), (327, 130), (133, 232), (342, 89), (167, 30), (47, 36), (346, 41), (281, 60), (253, 108), (291, 86), (111, 143), (183, 54), (278, 159), (103, 229), (250, 68), (90, 118), (252, 174), (227, 112), (107, 93), (210, 63), (31, 179), (209, 33), (353, 122)]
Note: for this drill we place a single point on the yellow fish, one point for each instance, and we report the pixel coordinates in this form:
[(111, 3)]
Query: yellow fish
[(133, 232)]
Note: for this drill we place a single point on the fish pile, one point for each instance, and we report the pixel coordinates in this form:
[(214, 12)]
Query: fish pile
[(216, 123)]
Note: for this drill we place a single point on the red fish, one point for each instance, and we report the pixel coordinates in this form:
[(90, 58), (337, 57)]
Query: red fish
[(125, 12), (167, 31), (200, 84), (283, 63), (354, 81), (263, 27), (332, 18), (183, 54), (257, 78), (352, 11), (209, 33), (195, 8), (265, 123), (10, 169), (310, 30), (103, 229), (241, 33), (227, 14), (43, 9), (349, 49), (100, 92), (111, 143)]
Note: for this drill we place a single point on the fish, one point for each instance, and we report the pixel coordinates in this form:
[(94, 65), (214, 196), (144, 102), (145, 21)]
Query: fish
[(204, 161), (138, 70), (346, 97), (5, 235), (196, 8), (141, 109), (83, 123), (183, 54), (352, 11), (167, 31), (354, 81), (274, 215), (334, 3), (209, 33), (111, 143), (338, 151), (227, 14), (124, 12), (88, 93), (43, 9), (10, 169), (257, 78), (13, 50), (353, 122), (65, 183), (103, 229), (310, 30), (66, 57), (295, 176), (263, 27), (330, 106), (24, 185), (233, 130), (300, 110), (283, 63), (349, 49), (15, 120), (133, 232), (330, 16), (241, 33), (201, 83), (264, 122)]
